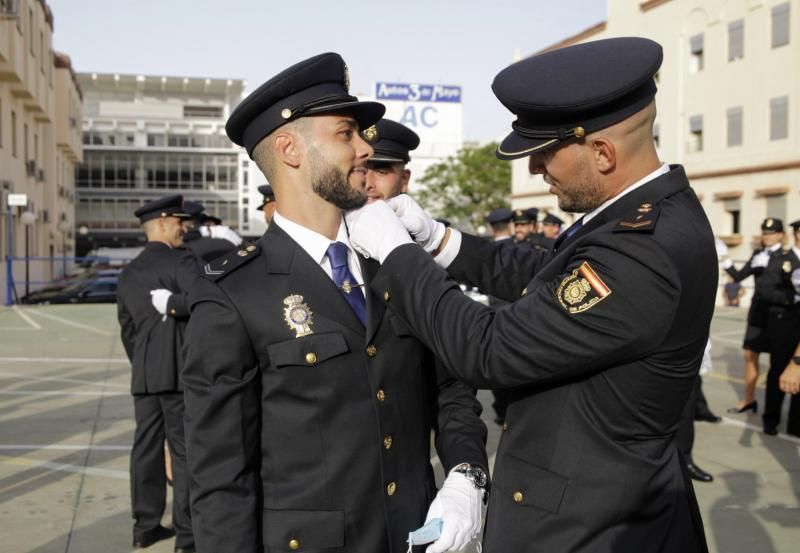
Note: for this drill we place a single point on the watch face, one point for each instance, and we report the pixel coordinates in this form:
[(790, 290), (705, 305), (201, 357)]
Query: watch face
[(478, 477)]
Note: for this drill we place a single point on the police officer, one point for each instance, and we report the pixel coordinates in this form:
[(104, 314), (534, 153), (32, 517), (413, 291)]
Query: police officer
[(534, 238), (589, 460), (522, 225), (198, 237), (755, 338), (387, 171), (309, 411), (152, 310), (268, 204), (551, 226)]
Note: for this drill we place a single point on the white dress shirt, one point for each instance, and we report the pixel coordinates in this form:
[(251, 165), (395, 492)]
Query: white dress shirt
[(316, 245)]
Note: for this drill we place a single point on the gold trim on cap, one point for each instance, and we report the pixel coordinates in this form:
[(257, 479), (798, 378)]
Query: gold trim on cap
[(529, 150), (286, 113)]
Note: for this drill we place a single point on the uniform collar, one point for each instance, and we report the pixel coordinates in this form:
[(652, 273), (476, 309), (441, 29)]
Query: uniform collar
[(314, 243), (663, 170)]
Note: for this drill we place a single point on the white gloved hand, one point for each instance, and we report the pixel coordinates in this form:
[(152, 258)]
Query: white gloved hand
[(796, 281), (221, 231), (760, 260), (159, 298), (425, 231), (722, 248), (459, 505), (375, 230)]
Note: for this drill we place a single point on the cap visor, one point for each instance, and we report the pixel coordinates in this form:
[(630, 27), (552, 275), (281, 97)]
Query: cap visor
[(366, 113), (384, 158), (515, 146)]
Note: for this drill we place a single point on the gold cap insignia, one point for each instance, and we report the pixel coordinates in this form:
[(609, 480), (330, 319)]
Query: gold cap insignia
[(286, 113), (768, 223), (579, 132), (787, 266), (298, 315), (370, 134), (346, 79)]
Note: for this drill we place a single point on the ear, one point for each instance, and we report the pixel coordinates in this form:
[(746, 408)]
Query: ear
[(604, 153), (405, 176), (288, 148)]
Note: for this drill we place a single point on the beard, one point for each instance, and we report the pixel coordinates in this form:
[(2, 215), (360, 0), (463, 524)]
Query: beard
[(331, 184), (583, 194)]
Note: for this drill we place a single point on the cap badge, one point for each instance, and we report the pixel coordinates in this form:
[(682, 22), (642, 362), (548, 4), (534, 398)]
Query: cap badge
[(370, 133), (787, 266), (579, 132), (286, 113), (298, 315), (346, 79), (768, 223)]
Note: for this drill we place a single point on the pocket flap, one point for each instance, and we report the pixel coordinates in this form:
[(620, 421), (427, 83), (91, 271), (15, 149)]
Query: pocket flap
[(310, 529), (527, 484), (308, 351)]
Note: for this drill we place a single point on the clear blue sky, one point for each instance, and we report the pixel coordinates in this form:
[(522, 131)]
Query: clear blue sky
[(454, 42)]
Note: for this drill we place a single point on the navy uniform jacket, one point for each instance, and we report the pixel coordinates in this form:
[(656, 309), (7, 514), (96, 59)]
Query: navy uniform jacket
[(602, 349), (774, 287), (321, 438), (206, 248), (153, 343), (757, 314)]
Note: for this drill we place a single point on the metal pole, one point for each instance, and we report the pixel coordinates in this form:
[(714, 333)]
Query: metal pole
[(9, 263), (27, 260)]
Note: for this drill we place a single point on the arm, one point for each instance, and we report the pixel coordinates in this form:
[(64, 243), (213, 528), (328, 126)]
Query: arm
[(127, 328), (747, 269), (223, 422), (492, 350)]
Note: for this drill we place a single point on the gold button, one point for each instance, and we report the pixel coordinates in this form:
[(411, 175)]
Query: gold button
[(518, 497), (381, 395), (294, 545), (241, 253), (387, 296), (251, 248), (580, 132), (524, 291), (391, 489), (505, 426), (286, 113), (172, 311), (311, 358), (387, 442), (372, 351)]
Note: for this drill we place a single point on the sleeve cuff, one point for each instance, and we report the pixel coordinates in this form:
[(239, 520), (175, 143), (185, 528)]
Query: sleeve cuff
[(727, 264), (450, 250)]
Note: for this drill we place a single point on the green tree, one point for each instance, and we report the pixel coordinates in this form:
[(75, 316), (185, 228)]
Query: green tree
[(467, 186)]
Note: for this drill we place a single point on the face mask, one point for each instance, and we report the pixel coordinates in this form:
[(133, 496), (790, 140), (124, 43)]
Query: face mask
[(428, 533)]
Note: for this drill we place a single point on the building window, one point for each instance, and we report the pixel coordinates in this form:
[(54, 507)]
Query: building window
[(41, 51), (25, 143), (735, 126), (203, 112), (35, 147), (776, 206), (13, 133), (1, 122), (735, 218), (780, 25), (736, 40), (696, 133), (779, 118), (30, 30), (696, 53)]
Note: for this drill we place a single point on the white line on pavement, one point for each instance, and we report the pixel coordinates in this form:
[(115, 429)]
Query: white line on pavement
[(754, 428), (63, 447), (72, 323), (62, 467), (25, 317), (64, 360), (4, 374), (48, 393)]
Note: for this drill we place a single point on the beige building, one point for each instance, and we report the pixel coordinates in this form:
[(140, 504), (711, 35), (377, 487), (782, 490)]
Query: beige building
[(728, 106), (40, 142)]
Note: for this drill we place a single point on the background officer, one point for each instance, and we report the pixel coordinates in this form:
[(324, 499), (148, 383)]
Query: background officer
[(589, 461), (551, 226), (309, 412), (523, 226), (199, 241), (152, 310), (268, 204), (387, 174)]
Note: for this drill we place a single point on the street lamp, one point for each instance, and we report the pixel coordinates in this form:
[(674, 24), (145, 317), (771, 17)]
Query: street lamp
[(64, 227), (27, 218)]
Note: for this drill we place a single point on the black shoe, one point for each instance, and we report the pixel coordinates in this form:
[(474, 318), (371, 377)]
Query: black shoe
[(770, 430), (157, 534), (189, 549), (752, 406), (707, 416), (697, 473)]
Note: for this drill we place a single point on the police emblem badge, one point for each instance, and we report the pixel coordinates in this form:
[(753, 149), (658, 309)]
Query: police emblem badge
[(298, 315), (787, 266), (581, 290), (370, 134)]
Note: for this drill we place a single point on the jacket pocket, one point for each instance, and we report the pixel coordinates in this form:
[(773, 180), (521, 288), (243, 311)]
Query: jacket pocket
[(308, 351), (304, 529), (526, 484)]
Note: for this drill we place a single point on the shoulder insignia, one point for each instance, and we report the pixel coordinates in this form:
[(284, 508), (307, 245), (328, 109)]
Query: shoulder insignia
[(218, 268), (641, 219), (581, 290)]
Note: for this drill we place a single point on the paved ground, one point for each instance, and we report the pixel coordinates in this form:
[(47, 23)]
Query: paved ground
[(66, 425)]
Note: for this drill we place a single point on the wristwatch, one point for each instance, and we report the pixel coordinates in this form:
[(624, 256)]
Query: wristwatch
[(476, 475), (796, 359)]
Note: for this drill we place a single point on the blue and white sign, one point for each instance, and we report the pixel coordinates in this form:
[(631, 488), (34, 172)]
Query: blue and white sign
[(416, 92)]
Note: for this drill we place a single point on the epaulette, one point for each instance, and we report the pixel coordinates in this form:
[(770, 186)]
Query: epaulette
[(218, 268), (642, 219)]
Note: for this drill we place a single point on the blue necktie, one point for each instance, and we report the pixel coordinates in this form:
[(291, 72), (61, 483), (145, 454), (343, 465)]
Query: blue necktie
[(345, 281), (567, 234)]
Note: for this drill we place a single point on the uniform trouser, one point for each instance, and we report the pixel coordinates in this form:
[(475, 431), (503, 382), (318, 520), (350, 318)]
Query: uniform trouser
[(783, 329), (684, 436), (500, 403), (159, 416)]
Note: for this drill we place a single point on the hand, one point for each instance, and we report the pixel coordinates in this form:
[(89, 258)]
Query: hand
[(789, 381), (796, 280), (160, 297), (222, 231), (760, 260), (458, 504), (375, 231), (425, 231), (722, 249)]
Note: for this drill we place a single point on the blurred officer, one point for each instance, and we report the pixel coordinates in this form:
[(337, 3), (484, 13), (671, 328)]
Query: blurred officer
[(755, 339), (309, 412), (589, 461), (776, 290), (522, 225), (551, 226), (268, 204), (198, 237), (152, 310), (534, 238), (500, 224), (387, 174)]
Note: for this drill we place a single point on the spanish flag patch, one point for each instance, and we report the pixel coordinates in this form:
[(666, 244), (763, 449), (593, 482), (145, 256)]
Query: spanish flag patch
[(582, 290)]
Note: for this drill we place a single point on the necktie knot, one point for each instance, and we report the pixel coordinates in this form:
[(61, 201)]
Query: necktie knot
[(337, 253)]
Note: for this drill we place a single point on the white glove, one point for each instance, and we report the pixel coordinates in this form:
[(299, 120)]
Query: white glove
[(722, 248), (160, 297), (425, 231), (796, 281), (760, 260), (375, 230), (221, 231), (458, 504)]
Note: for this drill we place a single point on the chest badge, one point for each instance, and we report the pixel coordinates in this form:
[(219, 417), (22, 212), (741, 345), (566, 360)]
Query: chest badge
[(787, 266), (298, 315)]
